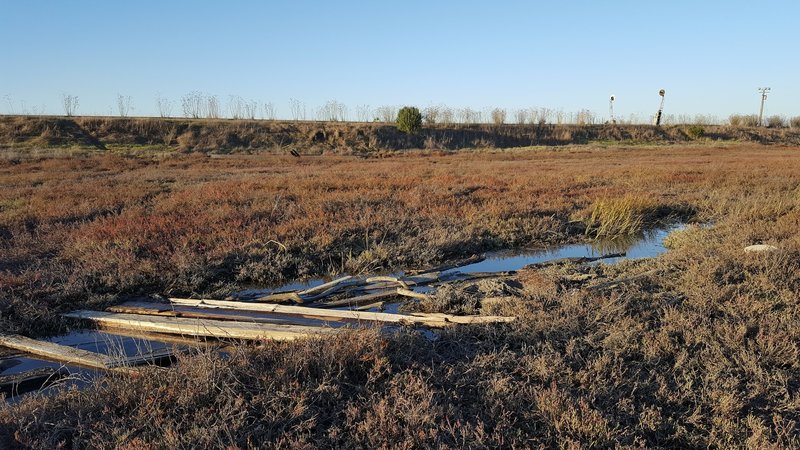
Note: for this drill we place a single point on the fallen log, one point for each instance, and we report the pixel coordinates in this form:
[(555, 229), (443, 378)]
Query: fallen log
[(199, 327), (433, 320)]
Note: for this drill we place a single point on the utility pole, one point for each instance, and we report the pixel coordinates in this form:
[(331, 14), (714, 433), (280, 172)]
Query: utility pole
[(763, 91), (611, 109)]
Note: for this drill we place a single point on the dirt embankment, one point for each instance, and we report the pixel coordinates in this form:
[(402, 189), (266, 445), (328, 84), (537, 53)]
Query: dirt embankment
[(224, 135)]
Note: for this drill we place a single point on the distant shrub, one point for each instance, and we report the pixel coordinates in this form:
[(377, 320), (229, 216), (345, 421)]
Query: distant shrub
[(409, 119), (738, 120), (794, 122), (776, 121), (695, 131)]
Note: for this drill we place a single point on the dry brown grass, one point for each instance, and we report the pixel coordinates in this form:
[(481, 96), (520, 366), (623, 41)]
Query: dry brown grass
[(701, 351), (257, 136)]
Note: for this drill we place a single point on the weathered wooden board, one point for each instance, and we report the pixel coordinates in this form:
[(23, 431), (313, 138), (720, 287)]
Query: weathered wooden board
[(359, 300), (200, 327), (61, 353), (162, 309), (434, 320)]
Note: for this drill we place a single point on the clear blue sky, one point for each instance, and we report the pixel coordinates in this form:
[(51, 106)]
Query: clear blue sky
[(709, 56)]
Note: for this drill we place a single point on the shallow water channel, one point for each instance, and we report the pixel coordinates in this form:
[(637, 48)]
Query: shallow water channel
[(647, 245)]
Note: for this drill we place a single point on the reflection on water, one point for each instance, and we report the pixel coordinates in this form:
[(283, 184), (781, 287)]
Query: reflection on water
[(645, 245)]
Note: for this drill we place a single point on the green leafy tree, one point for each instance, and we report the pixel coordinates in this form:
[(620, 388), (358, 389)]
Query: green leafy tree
[(409, 119)]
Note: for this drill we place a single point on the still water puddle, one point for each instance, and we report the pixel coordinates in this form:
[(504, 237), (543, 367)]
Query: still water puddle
[(645, 245)]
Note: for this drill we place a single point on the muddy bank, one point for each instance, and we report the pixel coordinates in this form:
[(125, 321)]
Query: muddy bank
[(225, 136)]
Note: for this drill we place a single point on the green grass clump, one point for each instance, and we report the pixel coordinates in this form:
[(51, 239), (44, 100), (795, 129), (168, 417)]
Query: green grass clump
[(620, 216)]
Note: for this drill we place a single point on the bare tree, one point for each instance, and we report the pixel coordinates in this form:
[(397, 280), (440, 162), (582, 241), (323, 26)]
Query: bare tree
[(520, 116), (431, 114), (164, 106), (298, 109), (446, 114), (363, 113), (70, 103), (498, 116), (7, 98), (333, 111), (269, 111), (468, 115), (235, 107), (213, 108), (386, 113), (250, 109), (585, 117), (124, 105), (193, 104)]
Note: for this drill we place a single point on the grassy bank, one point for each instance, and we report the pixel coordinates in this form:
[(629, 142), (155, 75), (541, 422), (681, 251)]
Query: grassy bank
[(237, 136), (698, 348)]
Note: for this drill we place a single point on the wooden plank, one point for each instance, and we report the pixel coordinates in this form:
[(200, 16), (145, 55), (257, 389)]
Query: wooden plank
[(370, 306), (412, 294), (359, 300), (325, 286), (199, 327), (387, 279), (161, 309), (433, 320), (465, 320), (280, 297), (60, 353)]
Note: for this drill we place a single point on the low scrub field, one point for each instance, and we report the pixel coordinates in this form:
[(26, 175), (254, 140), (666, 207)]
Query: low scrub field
[(699, 347)]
